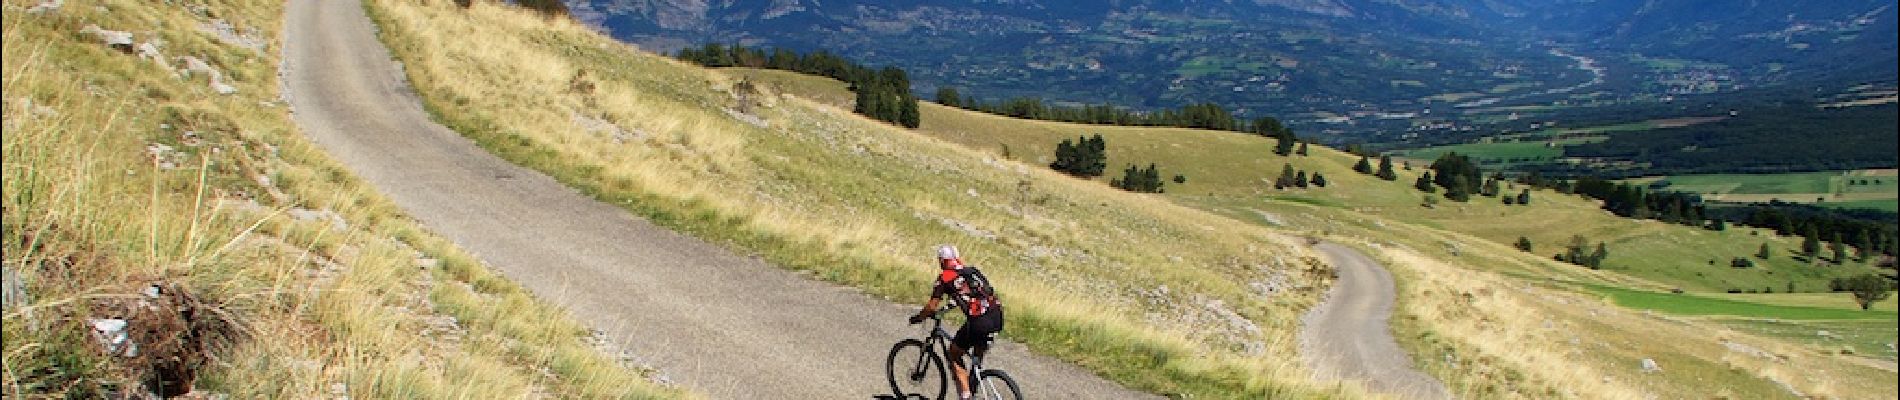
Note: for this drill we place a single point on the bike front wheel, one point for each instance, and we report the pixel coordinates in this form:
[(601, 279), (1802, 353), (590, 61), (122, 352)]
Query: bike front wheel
[(997, 385), (914, 369)]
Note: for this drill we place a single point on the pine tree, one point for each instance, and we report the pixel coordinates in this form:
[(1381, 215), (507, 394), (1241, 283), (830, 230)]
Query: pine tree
[(1490, 188), (1065, 158), (1458, 190), (1302, 151), (1763, 253), (1596, 259), (1385, 168), (1524, 198), (1364, 166), (1839, 247), (1319, 180), (1524, 243), (1300, 180), (1863, 246), (948, 96), (1424, 183), (1811, 245), (1286, 176), (1284, 144), (1094, 158)]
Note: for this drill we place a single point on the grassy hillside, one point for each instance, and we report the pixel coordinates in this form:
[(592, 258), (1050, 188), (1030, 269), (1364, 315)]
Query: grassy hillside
[(1158, 296), (1469, 295), (1231, 173), (279, 274)]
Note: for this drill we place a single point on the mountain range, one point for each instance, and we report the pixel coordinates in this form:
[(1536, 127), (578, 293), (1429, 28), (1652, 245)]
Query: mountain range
[(1351, 68)]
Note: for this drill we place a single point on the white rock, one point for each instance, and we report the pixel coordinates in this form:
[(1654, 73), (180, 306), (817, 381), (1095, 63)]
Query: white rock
[(48, 6), (1650, 367), (112, 335), (13, 290), (120, 40)]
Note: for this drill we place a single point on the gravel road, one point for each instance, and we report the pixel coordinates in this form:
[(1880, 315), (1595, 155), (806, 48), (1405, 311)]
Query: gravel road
[(1347, 336), (721, 324)]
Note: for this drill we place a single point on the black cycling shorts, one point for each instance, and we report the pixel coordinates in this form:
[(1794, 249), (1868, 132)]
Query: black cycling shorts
[(979, 330)]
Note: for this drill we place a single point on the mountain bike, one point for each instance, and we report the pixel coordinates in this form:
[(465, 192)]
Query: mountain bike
[(915, 367)]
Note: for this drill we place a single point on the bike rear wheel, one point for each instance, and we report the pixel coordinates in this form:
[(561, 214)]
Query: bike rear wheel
[(997, 385), (914, 369)]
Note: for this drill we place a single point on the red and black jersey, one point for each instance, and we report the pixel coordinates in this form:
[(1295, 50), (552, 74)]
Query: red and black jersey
[(969, 289)]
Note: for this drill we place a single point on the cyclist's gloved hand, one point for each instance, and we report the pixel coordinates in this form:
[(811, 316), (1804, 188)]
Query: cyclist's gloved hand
[(914, 319)]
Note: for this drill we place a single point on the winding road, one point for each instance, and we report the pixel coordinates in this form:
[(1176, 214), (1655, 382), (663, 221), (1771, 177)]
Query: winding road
[(717, 323), (1348, 336)]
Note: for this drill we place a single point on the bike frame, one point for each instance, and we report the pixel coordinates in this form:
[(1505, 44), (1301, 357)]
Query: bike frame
[(939, 341)]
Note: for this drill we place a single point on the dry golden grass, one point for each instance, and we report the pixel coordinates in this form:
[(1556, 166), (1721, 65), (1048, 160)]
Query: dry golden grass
[(813, 187), (1512, 337), (334, 292)]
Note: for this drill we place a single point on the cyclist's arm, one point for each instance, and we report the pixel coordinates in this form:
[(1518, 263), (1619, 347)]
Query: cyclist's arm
[(930, 306), (936, 294)]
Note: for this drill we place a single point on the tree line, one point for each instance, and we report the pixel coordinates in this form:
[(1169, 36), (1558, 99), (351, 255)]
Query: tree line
[(1198, 116), (1867, 231), (882, 93)]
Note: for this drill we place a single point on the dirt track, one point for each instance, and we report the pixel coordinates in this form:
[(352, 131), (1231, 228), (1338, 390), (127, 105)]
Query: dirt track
[(720, 324), (1347, 336)]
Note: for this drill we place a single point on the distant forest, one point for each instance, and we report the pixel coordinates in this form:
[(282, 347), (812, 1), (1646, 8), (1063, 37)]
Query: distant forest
[(1785, 139)]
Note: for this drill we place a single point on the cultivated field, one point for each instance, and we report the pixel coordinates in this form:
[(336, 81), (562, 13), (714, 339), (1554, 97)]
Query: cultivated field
[(1873, 188)]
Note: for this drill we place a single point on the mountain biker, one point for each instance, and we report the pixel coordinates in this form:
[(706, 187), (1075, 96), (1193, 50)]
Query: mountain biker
[(972, 293)]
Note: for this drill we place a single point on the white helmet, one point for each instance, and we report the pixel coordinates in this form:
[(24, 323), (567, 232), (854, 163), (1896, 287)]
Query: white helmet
[(947, 252)]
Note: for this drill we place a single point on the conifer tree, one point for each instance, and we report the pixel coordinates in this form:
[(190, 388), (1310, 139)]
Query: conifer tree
[(1302, 151), (1319, 180), (1300, 180), (1286, 176), (1811, 245), (1385, 168), (948, 96), (1364, 166), (1763, 253), (1424, 183), (1524, 198)]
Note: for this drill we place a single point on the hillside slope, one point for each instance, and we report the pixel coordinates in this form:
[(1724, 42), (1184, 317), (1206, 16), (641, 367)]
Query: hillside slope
[(1488, 319), (708, 319), (1147, 293), (153, 177)]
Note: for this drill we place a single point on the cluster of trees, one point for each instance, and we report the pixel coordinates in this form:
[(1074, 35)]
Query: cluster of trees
[(1141, 180), (1083, 157), (1200, 116), (1460, 177), (882, 93), (1868, 232), (1290, 178), (1385, 168), (1578, 252), (1632, 201)]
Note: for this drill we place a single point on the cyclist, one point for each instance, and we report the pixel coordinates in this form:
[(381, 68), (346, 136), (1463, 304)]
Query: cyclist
[(972, 293)]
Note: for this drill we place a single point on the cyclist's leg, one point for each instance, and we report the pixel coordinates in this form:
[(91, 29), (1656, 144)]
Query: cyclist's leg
[(967, 337)]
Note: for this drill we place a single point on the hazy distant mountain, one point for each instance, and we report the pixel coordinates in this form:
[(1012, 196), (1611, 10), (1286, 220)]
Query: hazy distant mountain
[(1346, 66)]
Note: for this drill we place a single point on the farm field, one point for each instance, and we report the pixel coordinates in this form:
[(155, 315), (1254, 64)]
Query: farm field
[(1874, 188)]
